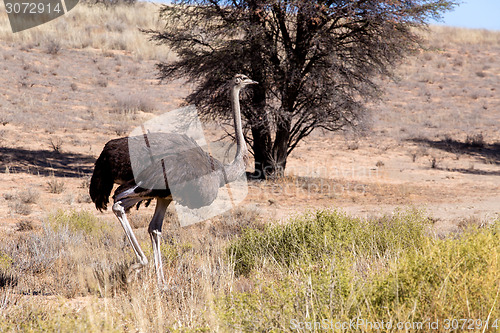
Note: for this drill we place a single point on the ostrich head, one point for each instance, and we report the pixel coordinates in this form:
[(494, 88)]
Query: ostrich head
[(241, 81)]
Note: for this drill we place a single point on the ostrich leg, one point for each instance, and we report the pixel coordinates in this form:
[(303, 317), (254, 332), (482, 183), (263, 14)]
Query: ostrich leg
[(155, 234), (119, 210)]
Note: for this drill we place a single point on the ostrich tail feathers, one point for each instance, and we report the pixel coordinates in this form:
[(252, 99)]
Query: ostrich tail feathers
[(101, 183)]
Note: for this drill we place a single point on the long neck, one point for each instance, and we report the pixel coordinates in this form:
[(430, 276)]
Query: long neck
[(236, 169)]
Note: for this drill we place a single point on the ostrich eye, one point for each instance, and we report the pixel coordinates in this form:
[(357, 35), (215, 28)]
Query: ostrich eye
[(238, 81)]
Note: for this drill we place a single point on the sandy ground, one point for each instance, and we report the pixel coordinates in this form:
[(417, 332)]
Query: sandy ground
[(58, 111)]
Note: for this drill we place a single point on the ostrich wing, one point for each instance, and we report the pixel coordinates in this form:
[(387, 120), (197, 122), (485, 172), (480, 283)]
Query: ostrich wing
[(173, 164)]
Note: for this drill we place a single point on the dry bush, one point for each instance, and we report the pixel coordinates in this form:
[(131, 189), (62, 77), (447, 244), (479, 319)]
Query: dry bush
[(110, 278), (102, 82), (235, 221), (53, 47), (49, 259), (139, 220), (475, 140), (6, 280), (472, 222), (69, 199), (29, 196), (24, 225), (352, 144), (442, 37), (131, 104), (20, 202), (121, 129), (83, 198), (481, 74), (56, 144), (9, 196), (75, 254), (85, 184), (434, 161), (419, 152), (56, 186), (20, 207), (5, 119)]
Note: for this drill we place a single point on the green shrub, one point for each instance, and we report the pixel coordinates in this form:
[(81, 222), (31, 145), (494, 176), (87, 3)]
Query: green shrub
[(327, 268), (325, 234), (79, 221), (452, 278)]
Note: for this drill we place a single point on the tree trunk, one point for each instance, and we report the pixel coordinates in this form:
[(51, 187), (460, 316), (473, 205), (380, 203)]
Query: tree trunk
[(261, 148), (270, 161)]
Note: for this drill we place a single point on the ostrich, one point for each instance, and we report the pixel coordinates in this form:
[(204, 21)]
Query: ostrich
[(188, 165)]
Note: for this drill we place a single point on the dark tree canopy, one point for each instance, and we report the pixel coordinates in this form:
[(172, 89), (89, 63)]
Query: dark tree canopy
[(315, 61)]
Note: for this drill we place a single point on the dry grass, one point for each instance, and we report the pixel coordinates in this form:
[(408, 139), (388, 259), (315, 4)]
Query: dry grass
[(55, 185), (77, 255), (106, 29), (127, 104), (72, 274), (443, 37), (21, 201)]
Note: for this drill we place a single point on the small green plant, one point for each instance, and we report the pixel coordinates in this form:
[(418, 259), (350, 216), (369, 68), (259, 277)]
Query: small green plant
[(78, 221), (5, 261)]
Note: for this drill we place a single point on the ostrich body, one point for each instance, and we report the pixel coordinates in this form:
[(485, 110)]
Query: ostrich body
[(187, 165)]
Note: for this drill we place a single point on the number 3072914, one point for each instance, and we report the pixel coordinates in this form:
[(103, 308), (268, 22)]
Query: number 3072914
[(32, 8)]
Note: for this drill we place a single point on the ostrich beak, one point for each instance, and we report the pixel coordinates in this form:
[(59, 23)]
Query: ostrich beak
[(249, 81)]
